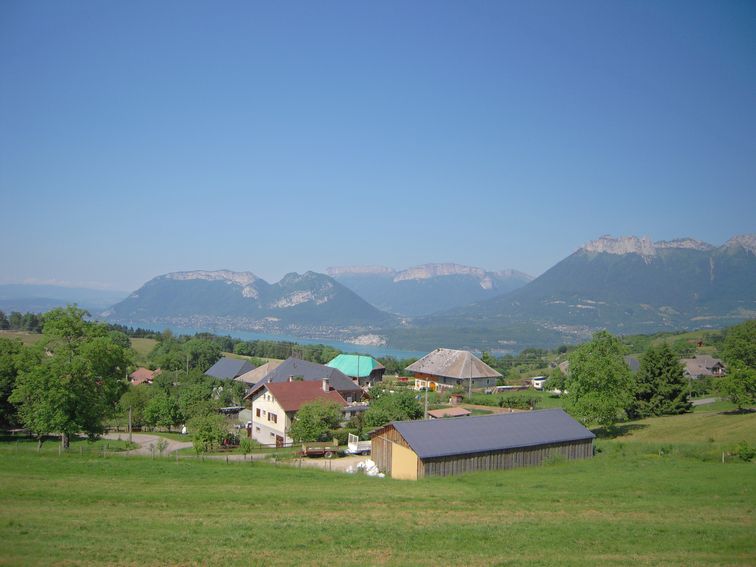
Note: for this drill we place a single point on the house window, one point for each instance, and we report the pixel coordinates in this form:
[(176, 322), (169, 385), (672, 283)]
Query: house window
[(257, 413), (272, 417)]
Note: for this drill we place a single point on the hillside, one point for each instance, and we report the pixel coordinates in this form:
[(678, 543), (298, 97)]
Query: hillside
[(626, 285), (426, 289), (240, 300)]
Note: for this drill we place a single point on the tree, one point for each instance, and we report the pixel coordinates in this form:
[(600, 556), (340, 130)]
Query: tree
[(207, 432), (556, 380), (9, 353), (202, 353), (135, 398), (660, 385), (740, 386), (599, 383), (314, 420), (739, 346), (386, 407), (70, 380), (162, 410)]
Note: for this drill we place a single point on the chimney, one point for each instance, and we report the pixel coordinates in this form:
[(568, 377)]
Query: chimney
[(291, 378), (326, 385)]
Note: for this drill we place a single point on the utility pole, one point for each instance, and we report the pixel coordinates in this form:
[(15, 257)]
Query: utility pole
[(427, 387), (469, 387), (129, 425)]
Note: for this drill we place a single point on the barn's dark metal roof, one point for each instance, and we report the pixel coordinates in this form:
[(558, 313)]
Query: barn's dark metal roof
[(479, 434), (229, 368)]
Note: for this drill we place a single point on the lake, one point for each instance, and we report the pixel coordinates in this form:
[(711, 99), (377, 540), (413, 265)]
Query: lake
[(349, 348)]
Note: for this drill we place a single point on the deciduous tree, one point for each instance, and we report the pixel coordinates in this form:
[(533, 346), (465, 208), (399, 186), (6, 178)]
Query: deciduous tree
[(599, 383), (314, 420)]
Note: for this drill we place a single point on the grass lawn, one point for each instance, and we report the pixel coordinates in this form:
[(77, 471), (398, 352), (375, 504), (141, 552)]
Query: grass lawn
[(622, 507), (143, 347)]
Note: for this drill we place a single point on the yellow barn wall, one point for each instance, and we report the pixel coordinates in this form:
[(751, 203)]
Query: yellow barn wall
[(403, 463)]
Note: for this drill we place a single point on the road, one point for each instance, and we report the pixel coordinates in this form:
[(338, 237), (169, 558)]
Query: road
[(704, 401)]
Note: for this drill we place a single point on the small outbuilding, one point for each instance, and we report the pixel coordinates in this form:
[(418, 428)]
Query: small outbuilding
[(454, 411), (364, 370), (441, 447)]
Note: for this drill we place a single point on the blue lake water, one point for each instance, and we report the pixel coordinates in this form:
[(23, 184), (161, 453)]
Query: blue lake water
[(376, 351)]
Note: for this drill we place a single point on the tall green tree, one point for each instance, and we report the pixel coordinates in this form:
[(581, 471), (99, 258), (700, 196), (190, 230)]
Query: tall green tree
[(599, 382), (314, 420), (9, 355), (386, 407), (162, 410), (660, 385), (72, 379), (739, 386), (739, 345)]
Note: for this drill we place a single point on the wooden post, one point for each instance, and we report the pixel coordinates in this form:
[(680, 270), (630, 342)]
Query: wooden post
[(129, 425)]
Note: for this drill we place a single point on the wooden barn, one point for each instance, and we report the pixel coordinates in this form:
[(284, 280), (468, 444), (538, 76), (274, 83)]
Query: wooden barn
[(442, 447)]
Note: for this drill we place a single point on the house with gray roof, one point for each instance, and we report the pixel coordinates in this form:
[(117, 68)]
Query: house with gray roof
[(441, 447), (302, 370), (229, 368), (445, 368)]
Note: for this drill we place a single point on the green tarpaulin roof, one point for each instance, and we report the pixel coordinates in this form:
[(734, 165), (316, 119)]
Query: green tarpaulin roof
[(356, 366)]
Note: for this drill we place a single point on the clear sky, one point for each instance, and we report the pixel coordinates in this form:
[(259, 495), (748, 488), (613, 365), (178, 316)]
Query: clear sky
[(139, 138)]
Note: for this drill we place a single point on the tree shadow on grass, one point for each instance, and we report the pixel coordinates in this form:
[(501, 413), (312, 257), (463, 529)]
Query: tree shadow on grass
[(618, 430), (739, 411)]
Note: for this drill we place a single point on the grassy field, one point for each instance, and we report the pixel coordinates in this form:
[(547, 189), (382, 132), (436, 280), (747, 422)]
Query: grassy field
[(143, 347), (622, 507), (27, 338)]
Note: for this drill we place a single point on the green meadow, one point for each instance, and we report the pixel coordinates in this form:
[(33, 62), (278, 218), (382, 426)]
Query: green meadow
[(656, 495)]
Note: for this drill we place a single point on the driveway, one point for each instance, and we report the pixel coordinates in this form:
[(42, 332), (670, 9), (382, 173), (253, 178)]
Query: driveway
[(144, 440), (704, 401)]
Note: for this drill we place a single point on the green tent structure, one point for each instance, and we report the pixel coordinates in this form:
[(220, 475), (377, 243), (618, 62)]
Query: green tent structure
[(365, 370)]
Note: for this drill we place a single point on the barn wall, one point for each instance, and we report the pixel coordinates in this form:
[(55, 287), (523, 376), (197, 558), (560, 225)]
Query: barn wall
[(528, 456), (382, 442)]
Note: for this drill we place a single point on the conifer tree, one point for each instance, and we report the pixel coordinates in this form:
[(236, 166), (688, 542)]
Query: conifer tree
[(660, 385)]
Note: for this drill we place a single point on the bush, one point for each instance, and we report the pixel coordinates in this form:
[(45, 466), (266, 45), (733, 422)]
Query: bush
[(745, 452)]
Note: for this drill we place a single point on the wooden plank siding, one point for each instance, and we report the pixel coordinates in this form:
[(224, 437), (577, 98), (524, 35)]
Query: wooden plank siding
[(384, 438), (509, 459)]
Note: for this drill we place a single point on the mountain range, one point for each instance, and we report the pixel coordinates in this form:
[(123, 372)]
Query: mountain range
[(304, 304), (426, 289), (627, 285)]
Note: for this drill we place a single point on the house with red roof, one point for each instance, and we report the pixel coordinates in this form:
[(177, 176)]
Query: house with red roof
[(275, 404), (143, 375)]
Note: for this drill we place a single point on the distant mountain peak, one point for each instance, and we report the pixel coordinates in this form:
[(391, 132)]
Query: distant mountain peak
[(684, 243), (622, 245), (427, 271), (642, 245), (746, 241), (239, 278), (359, 271)]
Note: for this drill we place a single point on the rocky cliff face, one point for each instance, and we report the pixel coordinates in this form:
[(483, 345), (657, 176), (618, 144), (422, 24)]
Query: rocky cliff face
[(643, 246)]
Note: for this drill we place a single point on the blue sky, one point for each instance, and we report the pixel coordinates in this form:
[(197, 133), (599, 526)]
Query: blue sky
[(138, 138)]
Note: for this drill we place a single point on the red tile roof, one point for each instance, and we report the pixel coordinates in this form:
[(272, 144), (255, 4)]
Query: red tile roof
[(142, 375), (292, 395)]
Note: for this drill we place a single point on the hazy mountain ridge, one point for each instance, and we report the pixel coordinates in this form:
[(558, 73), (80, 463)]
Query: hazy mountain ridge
[(428, 288), (38, 298), (627, 285), (241, 300)]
